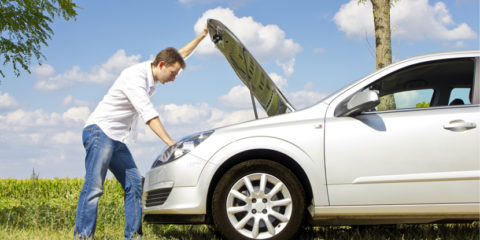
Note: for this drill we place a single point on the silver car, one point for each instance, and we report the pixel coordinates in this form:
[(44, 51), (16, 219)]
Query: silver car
[(400, 145)]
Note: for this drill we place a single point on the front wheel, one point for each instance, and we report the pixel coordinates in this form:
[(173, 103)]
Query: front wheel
[(258, 199)]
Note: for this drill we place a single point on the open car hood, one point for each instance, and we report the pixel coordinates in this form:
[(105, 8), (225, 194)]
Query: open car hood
[(248, 70)]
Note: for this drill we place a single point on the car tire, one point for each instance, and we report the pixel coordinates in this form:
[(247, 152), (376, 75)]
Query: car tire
[(258, 199)]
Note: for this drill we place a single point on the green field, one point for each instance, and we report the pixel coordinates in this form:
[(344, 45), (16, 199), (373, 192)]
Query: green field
[(45, 209)]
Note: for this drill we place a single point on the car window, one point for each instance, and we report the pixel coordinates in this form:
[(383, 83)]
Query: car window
[(432, 84), (460, 96), (413, 99)]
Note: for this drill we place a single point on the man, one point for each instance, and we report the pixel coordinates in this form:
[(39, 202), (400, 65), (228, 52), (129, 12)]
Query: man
[(110, 125)]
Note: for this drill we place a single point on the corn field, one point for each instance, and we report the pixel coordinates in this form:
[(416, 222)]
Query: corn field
[(46, 208)]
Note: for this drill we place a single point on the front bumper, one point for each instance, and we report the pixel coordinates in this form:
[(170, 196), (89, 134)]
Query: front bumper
[(176, 188)]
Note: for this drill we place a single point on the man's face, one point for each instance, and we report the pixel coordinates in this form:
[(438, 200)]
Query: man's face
[(165, 74)]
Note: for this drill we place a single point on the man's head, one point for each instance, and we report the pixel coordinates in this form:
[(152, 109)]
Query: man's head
[(166, 65)]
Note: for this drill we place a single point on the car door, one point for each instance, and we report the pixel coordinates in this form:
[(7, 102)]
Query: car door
[(419, 150)]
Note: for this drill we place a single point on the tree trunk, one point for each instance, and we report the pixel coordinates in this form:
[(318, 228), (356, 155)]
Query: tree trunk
[(383, 46)]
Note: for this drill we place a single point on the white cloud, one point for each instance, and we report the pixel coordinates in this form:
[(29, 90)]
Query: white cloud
[(49, 160), (181, 120), (410, 19), (108, 71), (20, 120), (35, 138), (355, 19), (44, 138), (306, 97), (7, 102), (237, 97), (40, 139), (77, 114), (265, 42), (70, 100), (280, 81), (43, 70), (65, 138), (458, 44), (288, 66), (145, 134), (233, 118), (183, 114), (39, 123), (49, 80)]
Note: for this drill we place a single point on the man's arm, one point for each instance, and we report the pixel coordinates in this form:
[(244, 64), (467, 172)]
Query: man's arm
[(188, 49), (157, 127)]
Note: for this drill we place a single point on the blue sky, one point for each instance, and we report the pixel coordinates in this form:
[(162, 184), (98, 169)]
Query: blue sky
[(310, 49)]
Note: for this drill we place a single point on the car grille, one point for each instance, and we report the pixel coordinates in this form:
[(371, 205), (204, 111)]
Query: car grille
[(157, 197)]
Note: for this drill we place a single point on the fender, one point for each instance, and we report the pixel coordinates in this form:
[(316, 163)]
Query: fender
[(316, 178)]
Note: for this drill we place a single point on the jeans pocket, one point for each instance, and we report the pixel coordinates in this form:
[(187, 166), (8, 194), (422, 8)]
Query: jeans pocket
[(88, 135)]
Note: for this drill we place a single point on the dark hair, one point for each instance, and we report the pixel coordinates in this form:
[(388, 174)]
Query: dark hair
[(169, 56)]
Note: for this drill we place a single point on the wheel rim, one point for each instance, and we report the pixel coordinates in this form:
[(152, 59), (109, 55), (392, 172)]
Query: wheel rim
[(259, 206)]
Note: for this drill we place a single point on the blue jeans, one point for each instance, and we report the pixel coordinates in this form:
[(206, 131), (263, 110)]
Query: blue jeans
[(103, 153)]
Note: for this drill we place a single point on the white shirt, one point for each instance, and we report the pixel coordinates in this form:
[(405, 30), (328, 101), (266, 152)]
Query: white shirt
[(128, 97)]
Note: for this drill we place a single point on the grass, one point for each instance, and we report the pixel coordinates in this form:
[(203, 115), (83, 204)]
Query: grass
[(45, 209), (199, 232), (153, 232)]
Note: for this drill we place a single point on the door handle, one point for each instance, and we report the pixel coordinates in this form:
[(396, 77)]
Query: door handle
[(459, 125)]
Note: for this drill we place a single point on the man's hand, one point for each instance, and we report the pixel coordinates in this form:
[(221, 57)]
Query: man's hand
[(157, 128), (188, 49), (205, 30)]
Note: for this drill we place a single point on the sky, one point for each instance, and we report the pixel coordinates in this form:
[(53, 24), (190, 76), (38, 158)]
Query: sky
[(310, 49)]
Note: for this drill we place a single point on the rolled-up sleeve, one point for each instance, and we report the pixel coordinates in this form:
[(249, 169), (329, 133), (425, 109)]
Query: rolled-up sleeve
[(136, 90)]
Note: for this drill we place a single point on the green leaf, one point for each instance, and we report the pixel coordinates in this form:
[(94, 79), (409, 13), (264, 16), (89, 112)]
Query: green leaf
[(25, 29)]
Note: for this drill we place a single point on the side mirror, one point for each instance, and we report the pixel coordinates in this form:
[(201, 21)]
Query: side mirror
[(358, 103)]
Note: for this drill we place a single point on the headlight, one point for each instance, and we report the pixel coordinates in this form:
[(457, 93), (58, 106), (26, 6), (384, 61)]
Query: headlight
[(182, 147)]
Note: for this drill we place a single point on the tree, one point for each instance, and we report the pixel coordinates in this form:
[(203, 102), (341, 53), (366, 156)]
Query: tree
[(24, 26), (383, 43), (422, 105)]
